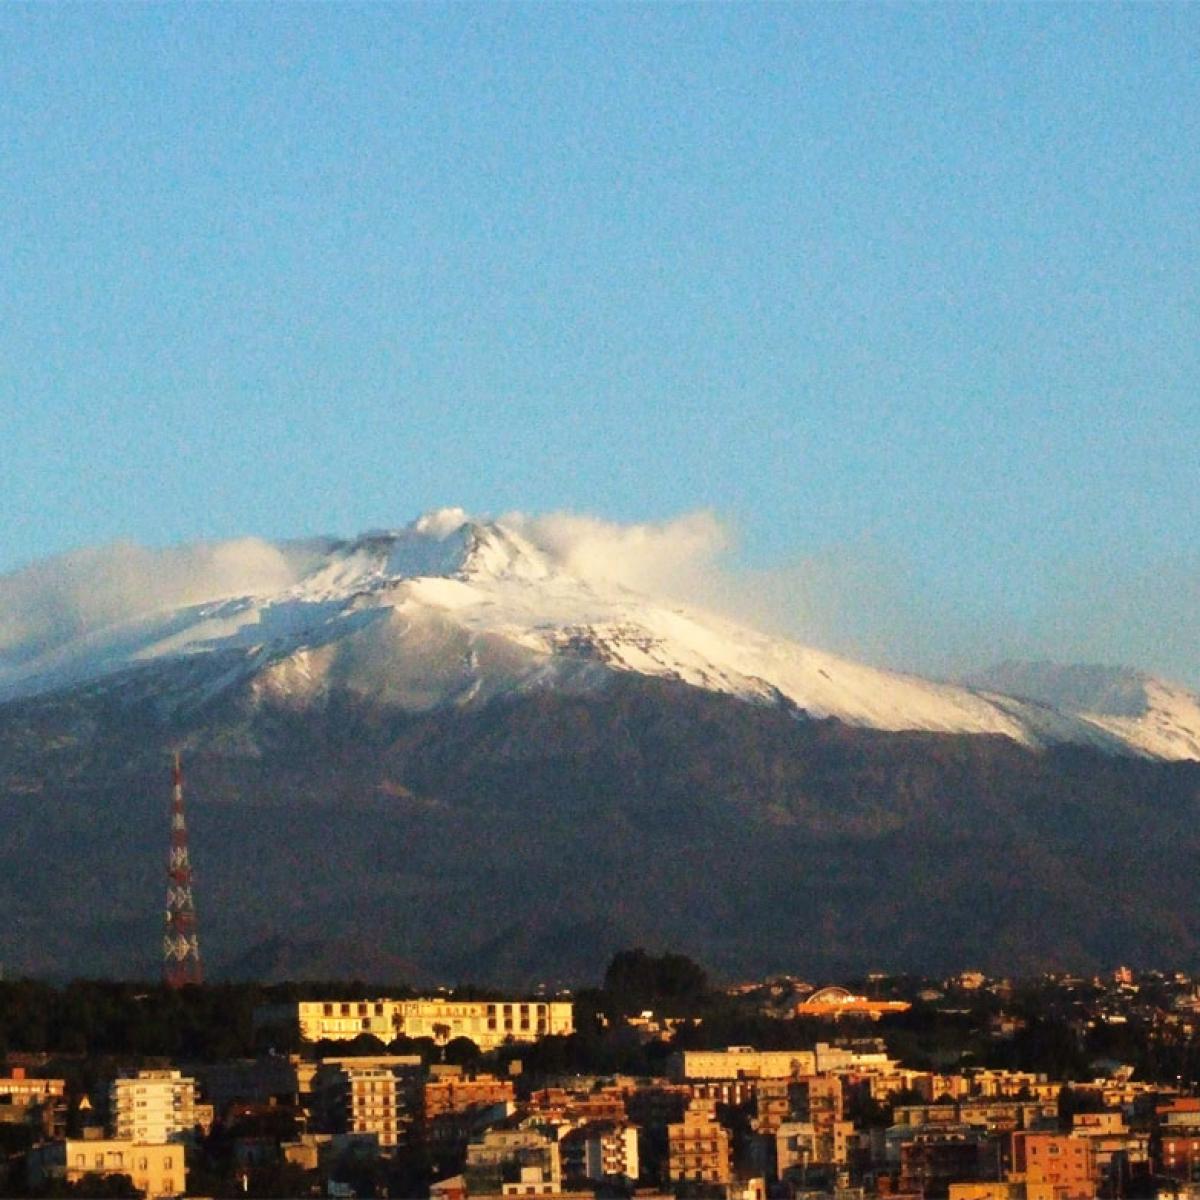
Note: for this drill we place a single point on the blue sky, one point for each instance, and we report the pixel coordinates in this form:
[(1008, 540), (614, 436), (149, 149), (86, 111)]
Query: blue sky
[(907, 292)]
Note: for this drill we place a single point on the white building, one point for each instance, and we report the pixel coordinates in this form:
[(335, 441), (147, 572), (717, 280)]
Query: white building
[(488, 1023), (153, 1107)]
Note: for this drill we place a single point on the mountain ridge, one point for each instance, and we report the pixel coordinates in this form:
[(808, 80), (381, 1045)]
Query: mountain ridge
[(450, 610), (525, 840)]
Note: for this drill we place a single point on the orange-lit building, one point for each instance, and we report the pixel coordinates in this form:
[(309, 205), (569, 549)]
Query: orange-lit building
[(836, 1002), (1176, 1143), (457, 1094), (698, 1147), (1065, 1162)]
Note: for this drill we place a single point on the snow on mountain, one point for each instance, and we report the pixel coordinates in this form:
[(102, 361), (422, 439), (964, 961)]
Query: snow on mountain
[(1155, 716), (448, 611)]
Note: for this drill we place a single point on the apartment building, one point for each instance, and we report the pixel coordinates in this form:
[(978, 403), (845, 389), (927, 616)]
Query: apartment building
[(601, 1151), (698, 1147), (1066, 1162), (152, 1106), (513, 1161), (365, 1100)]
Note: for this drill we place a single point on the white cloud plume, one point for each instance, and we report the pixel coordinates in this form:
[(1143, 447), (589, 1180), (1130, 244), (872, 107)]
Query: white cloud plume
[(863, 600), (866, 600), (72, 595), (661, 558)]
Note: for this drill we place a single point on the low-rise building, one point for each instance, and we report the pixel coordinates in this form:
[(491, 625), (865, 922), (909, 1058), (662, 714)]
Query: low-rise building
[(458, 1093), (156, 1170), (740, 1062), (992, 1115), (38, 1103), (488, 1023)]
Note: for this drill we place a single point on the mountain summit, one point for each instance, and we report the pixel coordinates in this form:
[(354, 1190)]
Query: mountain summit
[(451, 611), (469, 749)]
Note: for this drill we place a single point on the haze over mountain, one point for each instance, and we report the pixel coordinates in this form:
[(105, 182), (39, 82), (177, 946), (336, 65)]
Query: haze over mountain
[(475, 749)]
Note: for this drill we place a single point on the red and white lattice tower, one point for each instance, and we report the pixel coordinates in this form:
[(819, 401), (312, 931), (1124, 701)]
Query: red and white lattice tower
[(181, 946)]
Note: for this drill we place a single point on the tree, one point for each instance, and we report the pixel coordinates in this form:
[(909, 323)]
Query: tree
[(636, 980), (461, 1052)]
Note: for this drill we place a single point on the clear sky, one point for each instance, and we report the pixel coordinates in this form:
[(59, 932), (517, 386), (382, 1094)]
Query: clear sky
[(908, 294)]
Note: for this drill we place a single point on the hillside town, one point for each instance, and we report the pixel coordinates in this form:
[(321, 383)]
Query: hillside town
[(969, 1088)]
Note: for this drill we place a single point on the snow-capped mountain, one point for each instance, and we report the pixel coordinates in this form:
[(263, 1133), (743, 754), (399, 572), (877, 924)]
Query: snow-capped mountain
[(449, 611), (1159, 718)]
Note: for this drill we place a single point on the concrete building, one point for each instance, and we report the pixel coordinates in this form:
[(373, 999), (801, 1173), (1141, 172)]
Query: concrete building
[(152, 1106), (1176, 1142), (934, 1156), (38, 1103), (698, 1147), (576, 1106), (740, 1062), (459, 1093), (156, 1170), (991, 1115), (1066, 1162), (20, 1088), (368, 1100), (1122, 1154), (601, 1151), (488, 1023), (801, 1146), (513, 1161)]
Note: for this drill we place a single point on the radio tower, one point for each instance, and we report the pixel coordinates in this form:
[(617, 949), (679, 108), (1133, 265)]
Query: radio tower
[(181, 946)]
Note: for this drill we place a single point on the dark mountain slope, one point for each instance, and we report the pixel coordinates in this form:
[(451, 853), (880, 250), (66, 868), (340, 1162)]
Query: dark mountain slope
[(529, 838)]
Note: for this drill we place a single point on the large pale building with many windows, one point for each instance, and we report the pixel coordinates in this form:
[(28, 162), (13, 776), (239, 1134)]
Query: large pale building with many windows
[(153, 1106), (488, 1023)]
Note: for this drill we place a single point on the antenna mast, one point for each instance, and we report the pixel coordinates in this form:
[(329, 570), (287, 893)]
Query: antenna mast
[(181, 946)]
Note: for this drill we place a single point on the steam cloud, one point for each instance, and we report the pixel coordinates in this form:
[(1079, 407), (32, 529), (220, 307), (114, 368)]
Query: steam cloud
[(862, 600), (56, 601), (866, 601), (668, 558)]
